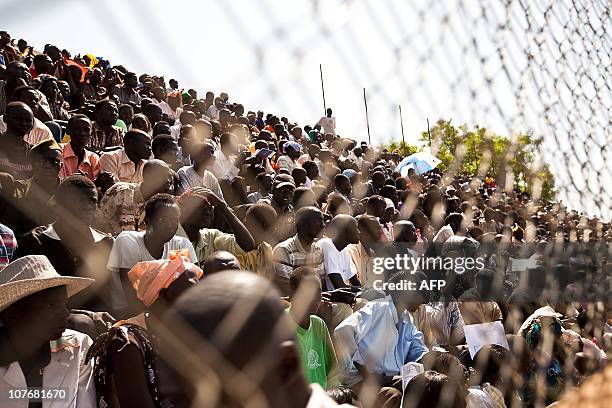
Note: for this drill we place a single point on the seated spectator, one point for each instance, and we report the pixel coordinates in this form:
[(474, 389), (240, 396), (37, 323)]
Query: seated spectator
[(279, 374), (126, 114), (288, 161), (31, 97), (198, 175), (124, 356), (122, 207), (313, 339), (493, 374), (13, 147), (197, 212), (50, 89), (37, 348), (475, 304), (105, 133), (126, 163), (282, 196), (363, 253), (71, 244), (75, 158), (127, 92), (160, 98), (186, 141), (263, 182), (432, 389), (159, 241), (141, 122), (304, 197), (166, 149), (259, 220), (339, 268), (29, 199), (220, 261), (153, 112), (380, 337), (301, 249), (226, 168)]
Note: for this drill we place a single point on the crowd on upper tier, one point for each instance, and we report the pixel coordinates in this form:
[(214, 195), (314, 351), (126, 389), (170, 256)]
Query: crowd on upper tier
[(160, 249)]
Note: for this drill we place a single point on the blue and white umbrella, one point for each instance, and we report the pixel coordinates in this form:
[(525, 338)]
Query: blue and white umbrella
[(421, 162)]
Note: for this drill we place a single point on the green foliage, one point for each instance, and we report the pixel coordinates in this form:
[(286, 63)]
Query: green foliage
[(404, 149), (477, 151)]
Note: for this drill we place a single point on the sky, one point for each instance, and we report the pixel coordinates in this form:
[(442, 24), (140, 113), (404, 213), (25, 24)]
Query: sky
[(465, 60)]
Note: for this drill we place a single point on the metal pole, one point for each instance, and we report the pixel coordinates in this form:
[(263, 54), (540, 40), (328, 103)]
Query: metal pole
[(429, 134), (365, 102), (323, 90), (402, 125)]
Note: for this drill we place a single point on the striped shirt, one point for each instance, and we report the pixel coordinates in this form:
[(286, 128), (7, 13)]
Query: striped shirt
[(100, 140), (290, 255), (39, 132)]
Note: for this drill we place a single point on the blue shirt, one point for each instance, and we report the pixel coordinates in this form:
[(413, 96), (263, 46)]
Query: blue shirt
[(377, 338)]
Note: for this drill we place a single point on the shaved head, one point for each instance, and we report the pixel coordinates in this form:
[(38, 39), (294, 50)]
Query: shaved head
[(235, 324), (219, 261)]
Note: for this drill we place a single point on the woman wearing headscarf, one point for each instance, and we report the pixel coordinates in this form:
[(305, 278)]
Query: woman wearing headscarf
[(126, 371)]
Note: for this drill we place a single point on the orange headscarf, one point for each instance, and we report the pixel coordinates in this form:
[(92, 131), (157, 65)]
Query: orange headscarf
[(150, 277)]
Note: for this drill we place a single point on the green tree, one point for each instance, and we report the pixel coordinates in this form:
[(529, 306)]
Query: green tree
[(477, 151)]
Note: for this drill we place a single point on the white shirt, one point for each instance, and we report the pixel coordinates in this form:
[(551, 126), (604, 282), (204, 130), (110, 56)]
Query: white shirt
[(285, 162), (328, 125), (129, 249), (224, 168), (213, 112), (166, 109), (335, 261), (445, 233), (189, 178), (68, 369)]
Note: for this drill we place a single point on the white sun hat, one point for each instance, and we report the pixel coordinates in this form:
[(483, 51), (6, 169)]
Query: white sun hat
[(31, 274)]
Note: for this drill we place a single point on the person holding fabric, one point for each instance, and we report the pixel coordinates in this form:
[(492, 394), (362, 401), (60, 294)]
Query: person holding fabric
[(162, 215), (36, 348), (126, 371)]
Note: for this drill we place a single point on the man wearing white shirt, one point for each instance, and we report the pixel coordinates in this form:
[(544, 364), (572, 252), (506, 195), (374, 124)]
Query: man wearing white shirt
[(224, 167), (339, 268), (328, 123), (197, 175)]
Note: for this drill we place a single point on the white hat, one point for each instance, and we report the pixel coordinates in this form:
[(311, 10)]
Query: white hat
[(31, 274)]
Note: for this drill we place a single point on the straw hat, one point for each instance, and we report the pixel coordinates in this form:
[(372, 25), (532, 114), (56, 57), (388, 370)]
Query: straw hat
[(31, 274)]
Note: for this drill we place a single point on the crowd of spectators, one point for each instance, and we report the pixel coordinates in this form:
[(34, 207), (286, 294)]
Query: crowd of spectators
[(161, 249)]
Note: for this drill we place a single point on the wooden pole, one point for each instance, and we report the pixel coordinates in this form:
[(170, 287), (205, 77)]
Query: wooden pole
[(365, 102), (429, 134), (402, 126), (323, 90)]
